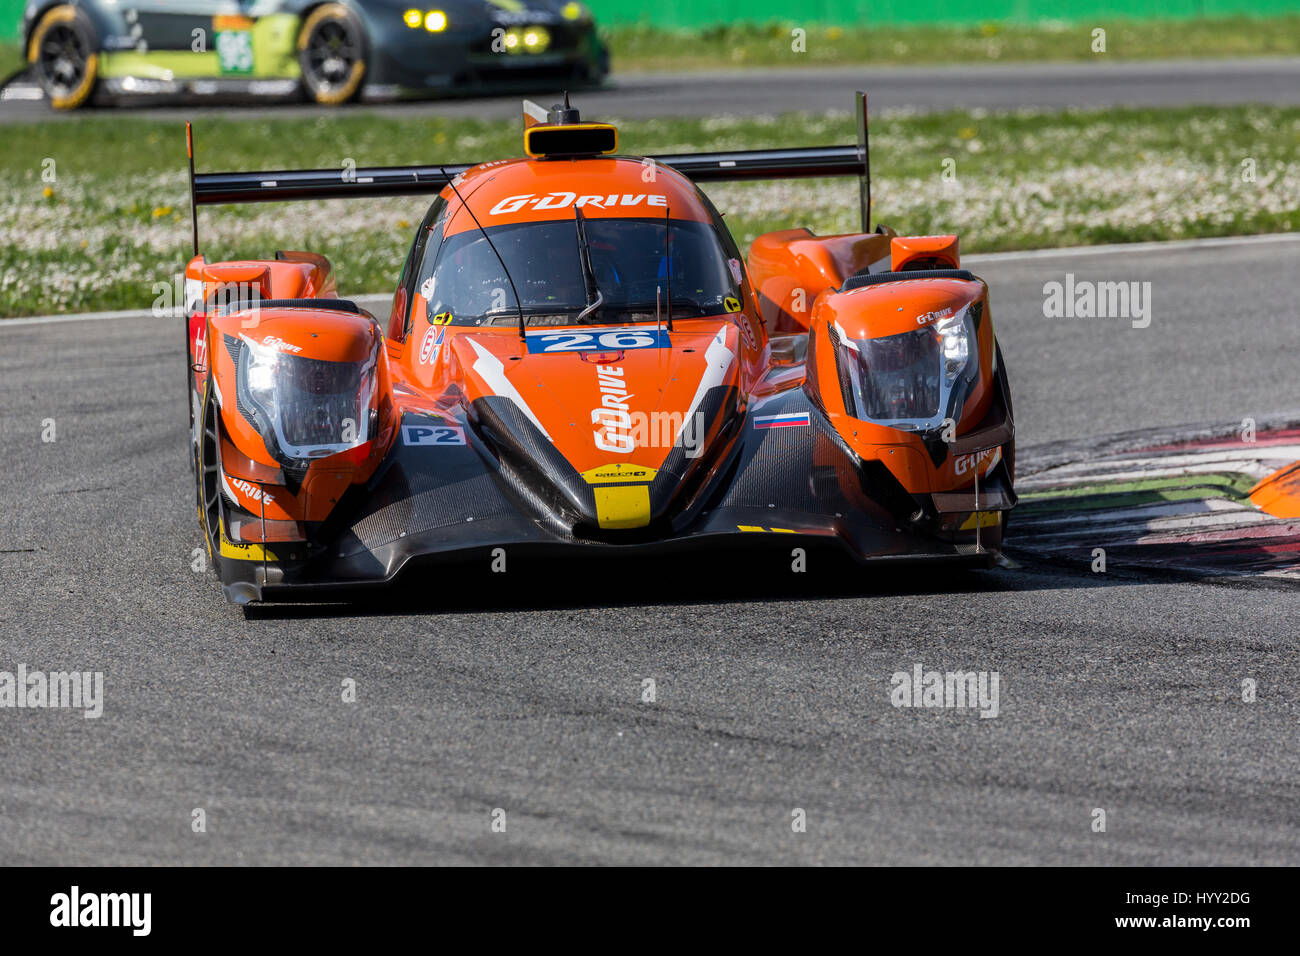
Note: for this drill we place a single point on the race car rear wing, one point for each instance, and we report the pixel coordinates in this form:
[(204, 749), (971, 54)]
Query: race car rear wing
[(212, 189)]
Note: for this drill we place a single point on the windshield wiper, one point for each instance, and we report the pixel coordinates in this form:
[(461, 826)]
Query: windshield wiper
[(668, 261), (595, 299)]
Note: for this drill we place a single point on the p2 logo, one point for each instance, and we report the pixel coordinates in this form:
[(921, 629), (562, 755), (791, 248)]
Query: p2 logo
[(433, 434)]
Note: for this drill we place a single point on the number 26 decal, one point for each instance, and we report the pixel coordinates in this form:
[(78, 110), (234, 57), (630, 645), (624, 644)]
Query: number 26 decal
[(601, 340)]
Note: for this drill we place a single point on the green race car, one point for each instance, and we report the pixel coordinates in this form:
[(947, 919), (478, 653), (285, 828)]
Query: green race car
[(332, 52)]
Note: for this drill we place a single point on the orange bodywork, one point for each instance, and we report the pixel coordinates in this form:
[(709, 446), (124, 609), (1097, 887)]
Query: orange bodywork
[(613, 401), (1279, 493)]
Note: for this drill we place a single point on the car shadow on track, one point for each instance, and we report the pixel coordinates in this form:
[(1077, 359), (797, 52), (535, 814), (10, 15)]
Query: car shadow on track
[(716, 578)]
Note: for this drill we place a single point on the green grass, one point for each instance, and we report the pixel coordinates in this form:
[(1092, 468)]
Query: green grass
[(11, 59), (115, 219), (649, 48)]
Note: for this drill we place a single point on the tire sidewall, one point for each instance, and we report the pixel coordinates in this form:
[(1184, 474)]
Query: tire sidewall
[(343, 14), (213, 546), (85, 29)]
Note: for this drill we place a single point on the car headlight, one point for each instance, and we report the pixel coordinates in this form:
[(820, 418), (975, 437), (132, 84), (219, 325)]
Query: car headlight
[(913, 380), (435, 21), (304, 408), (536, 39)]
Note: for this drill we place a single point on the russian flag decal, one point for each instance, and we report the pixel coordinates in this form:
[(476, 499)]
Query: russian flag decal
[(794, 420)]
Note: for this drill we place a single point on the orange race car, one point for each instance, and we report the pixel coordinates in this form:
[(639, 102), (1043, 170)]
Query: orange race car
[(577, 361)]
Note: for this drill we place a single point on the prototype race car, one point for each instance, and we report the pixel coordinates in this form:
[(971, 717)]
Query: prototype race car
[(330, 51), (578, 362)]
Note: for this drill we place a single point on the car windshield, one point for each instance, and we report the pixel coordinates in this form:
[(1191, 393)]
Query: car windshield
[(627, 263)]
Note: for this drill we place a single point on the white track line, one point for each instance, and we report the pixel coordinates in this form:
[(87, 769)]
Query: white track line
[(369, 300), (1171, 245)]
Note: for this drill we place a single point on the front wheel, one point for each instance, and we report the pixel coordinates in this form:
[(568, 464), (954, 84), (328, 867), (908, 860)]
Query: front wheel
[(332, 54), (209, 478), (1009, 450), (63, 52)]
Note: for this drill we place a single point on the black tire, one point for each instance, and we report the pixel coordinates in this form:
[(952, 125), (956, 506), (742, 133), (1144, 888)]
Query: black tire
[(208, 479), (332, 53), (1009, 455), (63, 51)]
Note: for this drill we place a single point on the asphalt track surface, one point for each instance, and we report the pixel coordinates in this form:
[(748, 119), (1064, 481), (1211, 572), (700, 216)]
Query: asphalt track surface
[(522, 691), (1164, 83)]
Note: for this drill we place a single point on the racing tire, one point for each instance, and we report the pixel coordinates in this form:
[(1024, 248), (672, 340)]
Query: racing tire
[(1008, 456), (64, 55), (208, 479), (332, 54)]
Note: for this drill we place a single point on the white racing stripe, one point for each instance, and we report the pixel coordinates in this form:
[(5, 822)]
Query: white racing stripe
[(718, 359), (492, 371)]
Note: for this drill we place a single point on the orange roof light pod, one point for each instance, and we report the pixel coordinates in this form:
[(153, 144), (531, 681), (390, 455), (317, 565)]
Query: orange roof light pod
[(563, 135)]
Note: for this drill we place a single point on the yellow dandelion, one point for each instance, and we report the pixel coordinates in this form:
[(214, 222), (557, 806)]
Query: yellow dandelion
[(403, 224), (160, 211), (48, 192), (967, 132)]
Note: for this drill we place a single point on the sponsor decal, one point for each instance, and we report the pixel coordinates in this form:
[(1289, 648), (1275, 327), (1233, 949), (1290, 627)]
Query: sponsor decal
[(792, 420), (426, 288), (736, 273), (600, 340), (245, 552), (965, 463), (442, 318), (731, 304), (200, 345), (619, 472), (433, 435), (248, 488), (614, 424), (933, 316), (276, 342), (429, 347), (563, 200)]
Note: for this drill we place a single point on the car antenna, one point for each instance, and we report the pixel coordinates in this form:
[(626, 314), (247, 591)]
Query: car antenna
[(491, 245), (194, 209), (668, 266)]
